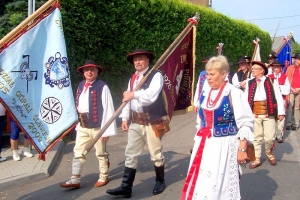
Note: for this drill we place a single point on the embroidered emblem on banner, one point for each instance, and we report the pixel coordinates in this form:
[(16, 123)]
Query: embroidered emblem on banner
[(57, 71), (51, 110), (25, 71)]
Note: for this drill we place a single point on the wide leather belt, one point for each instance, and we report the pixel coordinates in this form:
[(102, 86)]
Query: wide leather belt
[(140, 118), (84, 120), (260, 107)]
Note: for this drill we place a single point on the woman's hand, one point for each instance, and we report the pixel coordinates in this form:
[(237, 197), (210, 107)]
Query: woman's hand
[(242, 157)]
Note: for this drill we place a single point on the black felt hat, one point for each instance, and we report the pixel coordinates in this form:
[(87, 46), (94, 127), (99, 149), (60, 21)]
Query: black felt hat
[(272, 55), (89, 63), (276, 63), (262, 65), (149, 54), (296, 55), (244, 59)]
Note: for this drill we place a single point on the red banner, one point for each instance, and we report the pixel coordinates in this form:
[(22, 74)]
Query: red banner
[(178, 73)]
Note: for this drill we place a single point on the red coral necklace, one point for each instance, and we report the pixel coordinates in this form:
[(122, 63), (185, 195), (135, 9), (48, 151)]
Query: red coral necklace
[(211, 103)]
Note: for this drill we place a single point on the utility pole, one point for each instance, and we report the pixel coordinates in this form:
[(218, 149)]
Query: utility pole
[(31, 7)]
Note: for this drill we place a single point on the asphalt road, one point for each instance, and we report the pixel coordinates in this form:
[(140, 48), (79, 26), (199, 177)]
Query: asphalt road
[(280, 182)]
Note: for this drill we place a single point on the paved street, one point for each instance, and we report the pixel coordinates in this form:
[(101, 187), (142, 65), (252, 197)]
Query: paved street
[(263, 183)]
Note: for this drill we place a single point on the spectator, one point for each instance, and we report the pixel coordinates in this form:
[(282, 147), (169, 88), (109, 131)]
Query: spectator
[(14, 137), (2, 120)]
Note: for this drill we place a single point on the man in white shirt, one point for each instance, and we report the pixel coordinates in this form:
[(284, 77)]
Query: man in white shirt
[(145, 109), (239, 79), (285, 87), (266, 103), (95, 108)]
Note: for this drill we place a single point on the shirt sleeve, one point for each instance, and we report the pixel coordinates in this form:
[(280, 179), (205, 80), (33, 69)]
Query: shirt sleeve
[(125, 111), (235, 81), (286, 88), (278, 96), (243, 115), (108, 111), (148, 96), (196, 104)]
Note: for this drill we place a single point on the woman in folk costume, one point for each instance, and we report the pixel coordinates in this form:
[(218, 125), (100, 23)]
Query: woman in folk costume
[(225, 125)]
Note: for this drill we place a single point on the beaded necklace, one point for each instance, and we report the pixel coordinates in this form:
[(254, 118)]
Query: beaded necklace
[(211, 103)]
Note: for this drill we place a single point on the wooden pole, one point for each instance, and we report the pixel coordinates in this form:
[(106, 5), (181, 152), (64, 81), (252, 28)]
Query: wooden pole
[(26, 22), (161, 60), (276, 31)]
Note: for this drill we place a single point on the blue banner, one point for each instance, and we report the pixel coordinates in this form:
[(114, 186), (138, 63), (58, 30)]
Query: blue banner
[(35, 82), (285, 55)]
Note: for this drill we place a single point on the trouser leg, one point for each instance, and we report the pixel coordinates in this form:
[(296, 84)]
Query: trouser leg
[(102, 156), (258, 136)]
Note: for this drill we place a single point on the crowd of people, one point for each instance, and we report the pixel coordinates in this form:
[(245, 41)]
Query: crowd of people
[(234, 110)]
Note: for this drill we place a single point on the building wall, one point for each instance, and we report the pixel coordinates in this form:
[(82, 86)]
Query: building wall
[(200, 2)]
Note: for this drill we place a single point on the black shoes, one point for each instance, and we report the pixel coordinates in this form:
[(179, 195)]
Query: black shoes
[(160, 180), (280, 140), (126, 186), (294, 127)]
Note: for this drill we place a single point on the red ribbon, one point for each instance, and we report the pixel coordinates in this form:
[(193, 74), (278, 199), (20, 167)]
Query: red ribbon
[(195, 167), (86, 86)]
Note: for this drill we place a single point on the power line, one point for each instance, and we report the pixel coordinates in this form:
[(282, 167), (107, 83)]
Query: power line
[(286, 27), (272, 18)]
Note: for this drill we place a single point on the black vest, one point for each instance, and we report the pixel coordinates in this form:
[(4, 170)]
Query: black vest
[(157, 108), (95, 101), (242, 76), (270, 94)]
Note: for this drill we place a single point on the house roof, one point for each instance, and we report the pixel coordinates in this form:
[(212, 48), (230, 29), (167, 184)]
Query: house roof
[(279, 42)]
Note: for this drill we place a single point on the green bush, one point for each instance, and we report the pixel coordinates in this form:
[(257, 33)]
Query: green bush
[(107, 30)]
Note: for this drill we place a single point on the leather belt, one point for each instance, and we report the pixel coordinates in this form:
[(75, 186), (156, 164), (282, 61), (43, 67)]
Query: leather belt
[(260, 107), (84, 120), (140, 118)]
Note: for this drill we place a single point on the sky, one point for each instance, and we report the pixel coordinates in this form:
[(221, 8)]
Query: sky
[(269, 15)]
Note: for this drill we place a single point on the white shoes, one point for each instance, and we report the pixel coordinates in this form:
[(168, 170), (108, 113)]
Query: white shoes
[(27, 153), (2, 159), (16, 157)]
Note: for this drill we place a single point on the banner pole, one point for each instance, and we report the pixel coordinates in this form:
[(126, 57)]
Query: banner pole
[(26, 22), (192, 21)]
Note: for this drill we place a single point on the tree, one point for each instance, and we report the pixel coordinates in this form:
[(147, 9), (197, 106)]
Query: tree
[(295, 47), (12, 13)]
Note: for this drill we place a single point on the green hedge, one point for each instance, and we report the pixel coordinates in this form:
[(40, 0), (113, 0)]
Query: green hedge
[(107, 31)]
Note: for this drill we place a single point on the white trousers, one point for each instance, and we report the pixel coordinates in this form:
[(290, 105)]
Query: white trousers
[(264, 128), (138, 137), (85, 135)]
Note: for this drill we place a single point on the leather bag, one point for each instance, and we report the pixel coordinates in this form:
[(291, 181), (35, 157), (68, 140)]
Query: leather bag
[(161, 128), (251, 152)]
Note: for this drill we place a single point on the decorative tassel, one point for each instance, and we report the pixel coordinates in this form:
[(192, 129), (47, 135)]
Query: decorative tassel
[(42, 156)]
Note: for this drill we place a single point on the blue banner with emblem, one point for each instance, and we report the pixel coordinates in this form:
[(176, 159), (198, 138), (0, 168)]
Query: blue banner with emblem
[(285, 54), (35, 85)]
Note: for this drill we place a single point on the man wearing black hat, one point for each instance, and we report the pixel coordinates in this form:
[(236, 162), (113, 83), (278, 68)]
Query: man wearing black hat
[(284, 86), (144, 110), (95, 107), (271, 58), (266, 103), (239, 79), (293, 112)]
